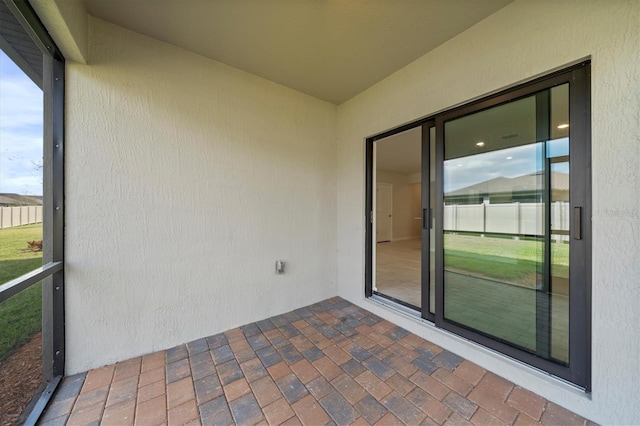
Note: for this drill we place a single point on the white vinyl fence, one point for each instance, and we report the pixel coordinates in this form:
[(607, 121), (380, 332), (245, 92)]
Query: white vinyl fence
[(512, 218), (18, 216)]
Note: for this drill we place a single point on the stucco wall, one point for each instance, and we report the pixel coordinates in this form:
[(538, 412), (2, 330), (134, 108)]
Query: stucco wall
[(185, 181), (521, 41)]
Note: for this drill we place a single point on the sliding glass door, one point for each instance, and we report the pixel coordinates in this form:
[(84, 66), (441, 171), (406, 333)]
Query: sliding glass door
[(499, 250), (506, 189)]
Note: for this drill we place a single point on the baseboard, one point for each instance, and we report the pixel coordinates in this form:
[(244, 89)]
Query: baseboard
[(405, 238)]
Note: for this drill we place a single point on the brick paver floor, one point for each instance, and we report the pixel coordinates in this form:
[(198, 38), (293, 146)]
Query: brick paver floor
[(328, 363)]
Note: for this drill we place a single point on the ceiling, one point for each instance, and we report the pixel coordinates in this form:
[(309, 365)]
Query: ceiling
[(18, 45), (400, 153), (331, 49)]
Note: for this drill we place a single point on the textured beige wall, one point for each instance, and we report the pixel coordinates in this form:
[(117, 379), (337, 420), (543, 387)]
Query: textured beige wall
[(521, 41), (185, 181)]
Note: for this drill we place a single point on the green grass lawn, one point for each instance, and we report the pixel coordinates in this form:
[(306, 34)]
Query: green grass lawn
[(502, 259), (21, 315)]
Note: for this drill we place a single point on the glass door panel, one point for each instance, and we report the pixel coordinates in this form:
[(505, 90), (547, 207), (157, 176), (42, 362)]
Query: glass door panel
[(397, 219), (558, 158), (505, 262)]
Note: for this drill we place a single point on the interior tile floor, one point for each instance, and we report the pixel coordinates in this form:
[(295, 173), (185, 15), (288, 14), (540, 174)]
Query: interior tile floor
[(328, 363), (497, 308)]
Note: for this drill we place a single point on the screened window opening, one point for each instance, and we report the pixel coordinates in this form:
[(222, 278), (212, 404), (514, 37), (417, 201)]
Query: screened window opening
[(31, 214)]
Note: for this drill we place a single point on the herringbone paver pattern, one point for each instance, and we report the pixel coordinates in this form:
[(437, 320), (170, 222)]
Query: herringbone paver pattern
[(328, 363)]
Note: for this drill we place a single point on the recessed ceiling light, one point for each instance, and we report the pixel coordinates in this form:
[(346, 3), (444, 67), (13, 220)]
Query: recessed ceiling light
[(563, 126), (509, 158), (480, 143), (459, 165)]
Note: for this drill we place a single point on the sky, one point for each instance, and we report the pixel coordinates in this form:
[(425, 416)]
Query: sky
[(511, 162), (20, 131)]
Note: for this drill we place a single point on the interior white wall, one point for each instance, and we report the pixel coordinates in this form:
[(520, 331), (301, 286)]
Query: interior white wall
[(185, 181), (406, 204), (521, 41)]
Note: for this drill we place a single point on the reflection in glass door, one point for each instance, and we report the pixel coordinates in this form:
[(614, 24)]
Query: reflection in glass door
[(505, 223)]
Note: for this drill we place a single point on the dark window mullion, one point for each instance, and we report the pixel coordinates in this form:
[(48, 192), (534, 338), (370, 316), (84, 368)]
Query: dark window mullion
[(580, 251), (368, 219), (427, 210), (438, 210), (543, 292), (53, 203)]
